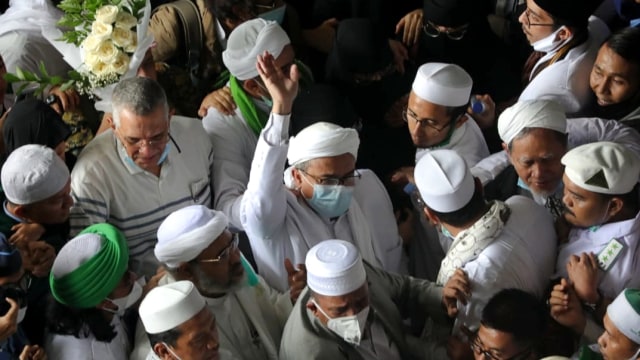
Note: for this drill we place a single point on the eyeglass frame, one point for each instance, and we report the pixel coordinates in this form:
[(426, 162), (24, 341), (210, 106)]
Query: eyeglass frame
[(332, 181), (463, 31), (529, 23), (226, 252), (424, 121), (268, 7), (153, 143), (477, 347)]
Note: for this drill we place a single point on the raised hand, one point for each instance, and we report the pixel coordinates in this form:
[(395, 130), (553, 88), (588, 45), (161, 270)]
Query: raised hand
[(297, 279), (283, 87), (410, 26)]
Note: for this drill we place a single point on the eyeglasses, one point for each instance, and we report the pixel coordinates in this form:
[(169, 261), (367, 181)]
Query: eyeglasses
[(432, 30), (408, 114), (477, 347), (18, 290), (155, 142), (527, 14), (272, 6), (226, 252), (347, 180)]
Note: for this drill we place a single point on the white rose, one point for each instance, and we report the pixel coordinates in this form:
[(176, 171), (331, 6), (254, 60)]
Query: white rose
[(91, 59), (100, 30), (107, 14), (126, 20), (131, 48), (91, 43), (121, 65), (107, 52), (121, 37), (99, 69)]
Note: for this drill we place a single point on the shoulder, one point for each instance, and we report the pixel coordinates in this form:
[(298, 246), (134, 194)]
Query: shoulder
[(100, 152)]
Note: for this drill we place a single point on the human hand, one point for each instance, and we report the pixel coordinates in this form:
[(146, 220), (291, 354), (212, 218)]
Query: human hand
[(282, 87), (410, 25), (322, 37), (583, 274), (33, 352), (458, 349), (403, 176), (9, 321), (456, 289), (69, 99), (25, 232), (565, 307), (221, 100), (486, 118), (297, 279), (153, 282), (38, 257), (400, 54)]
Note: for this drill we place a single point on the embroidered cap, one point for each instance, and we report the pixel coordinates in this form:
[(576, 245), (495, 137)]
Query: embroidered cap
[(168, 306), (602, 167), (624, 313), (334, 268), (443, 84)]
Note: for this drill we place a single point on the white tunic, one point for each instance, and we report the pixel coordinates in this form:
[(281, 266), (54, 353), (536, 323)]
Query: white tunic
[(65, 347), (567, 81), (625, 271), (522, 257), (280, 225)]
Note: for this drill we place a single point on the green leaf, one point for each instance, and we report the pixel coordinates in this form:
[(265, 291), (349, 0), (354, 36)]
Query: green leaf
[(11, 78), (29, 76), (55, 80), (19, 73), (43, 69), (67, 85)]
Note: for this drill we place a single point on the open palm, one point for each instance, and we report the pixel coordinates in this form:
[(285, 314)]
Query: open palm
[(283, 87)]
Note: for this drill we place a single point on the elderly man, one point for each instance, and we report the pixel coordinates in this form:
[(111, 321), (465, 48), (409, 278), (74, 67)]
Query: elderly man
[(234, 137), (141, 170), (194, 244), (509, 244), (352, 310), (179, 324), (565, 42), (326, 196)]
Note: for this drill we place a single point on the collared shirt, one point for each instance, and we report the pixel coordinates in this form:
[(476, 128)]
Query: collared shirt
[(376, 343)]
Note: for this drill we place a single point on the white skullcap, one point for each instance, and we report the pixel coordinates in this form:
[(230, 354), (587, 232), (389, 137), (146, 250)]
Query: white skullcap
[(185, 233), (322, 139), (33, 173), (76, 252), (247, 41), (624, 313), (543, 114), (334, 268), (168, 306), (602, 167), (444, 180), (443, 84)]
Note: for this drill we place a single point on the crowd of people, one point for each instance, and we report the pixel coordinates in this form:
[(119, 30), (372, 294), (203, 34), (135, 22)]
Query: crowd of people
[(323, 179)]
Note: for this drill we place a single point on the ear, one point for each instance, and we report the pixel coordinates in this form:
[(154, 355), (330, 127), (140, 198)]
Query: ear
[(461, 120), (252, 88), (106, 304), (433, 219), (311, 306), (161, 350), (565, 33), (505, 148), (108, 117), (615, 206), (21, 211), (184, 272), (297, 177)]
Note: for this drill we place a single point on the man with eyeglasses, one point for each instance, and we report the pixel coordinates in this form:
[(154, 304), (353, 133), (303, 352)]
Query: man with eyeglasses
[(195, 244), (324, 196), (143, 168)]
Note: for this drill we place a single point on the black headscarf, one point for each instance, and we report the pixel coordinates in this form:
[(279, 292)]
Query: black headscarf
[(31, 121)]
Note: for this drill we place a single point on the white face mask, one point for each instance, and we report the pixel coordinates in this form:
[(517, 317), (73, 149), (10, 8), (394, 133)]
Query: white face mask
[(126, 302), (21, 313), (349, 328), (550, 43)]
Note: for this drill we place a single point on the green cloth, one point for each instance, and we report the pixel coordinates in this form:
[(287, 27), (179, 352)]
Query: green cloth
[(93, 281), (255, 118)]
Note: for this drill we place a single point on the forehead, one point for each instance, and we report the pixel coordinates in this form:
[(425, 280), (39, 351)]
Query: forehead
[(537, 141), (154, 120), (197, 326), (353, 297), (426, 109), (609, 61), (574, 188), (217, 245), (332, 165), (537, 10), (492, 339)]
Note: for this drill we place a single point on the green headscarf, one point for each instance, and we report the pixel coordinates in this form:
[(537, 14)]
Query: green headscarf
[(93, 281), (255, 118)]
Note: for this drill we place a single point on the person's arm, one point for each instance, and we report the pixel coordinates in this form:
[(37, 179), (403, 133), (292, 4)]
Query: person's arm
[(488, 168), (90, 203), (587, 130)]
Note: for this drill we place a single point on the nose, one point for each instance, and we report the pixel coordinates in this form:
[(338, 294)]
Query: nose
[(522, 19), (566, 199), (68, 201)]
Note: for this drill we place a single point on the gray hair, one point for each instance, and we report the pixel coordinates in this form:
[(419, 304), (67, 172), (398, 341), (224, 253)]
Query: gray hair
[(562, 138), (140, 95)]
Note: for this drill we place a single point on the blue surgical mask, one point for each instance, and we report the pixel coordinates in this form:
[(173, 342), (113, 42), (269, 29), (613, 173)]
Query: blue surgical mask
[(331, 200), (446, 232), (267, 101), (165, 153), (276, 14)]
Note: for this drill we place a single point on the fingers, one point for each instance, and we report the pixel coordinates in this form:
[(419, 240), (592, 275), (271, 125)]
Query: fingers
[(333, 22), (288, 265), (592, 260), (399, 26), (13, 310)]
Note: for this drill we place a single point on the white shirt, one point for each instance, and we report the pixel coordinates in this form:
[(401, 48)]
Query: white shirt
[(65, 347), (625, 271), (234, 144), (566, 81), (280, 225), (522, 257), (107, 188)]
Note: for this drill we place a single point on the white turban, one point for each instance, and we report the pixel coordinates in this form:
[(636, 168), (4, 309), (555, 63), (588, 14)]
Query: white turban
[(185, 233), (543, 114), (33, 173), (443, 84), (624, 313), (334, 268), (249, 40), (168, 306), (322, 139)]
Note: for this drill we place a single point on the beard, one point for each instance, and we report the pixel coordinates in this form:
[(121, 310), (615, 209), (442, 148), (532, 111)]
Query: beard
[(206, 285)]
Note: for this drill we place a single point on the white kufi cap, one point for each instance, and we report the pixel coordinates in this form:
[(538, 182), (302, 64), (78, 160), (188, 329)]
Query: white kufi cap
[(247, 41), (168, 306), (322, 139), (443, 84), (185, 233), (543, 114), (444, 180), (624, 313), (602, 167), (33, 173), (334, 268)]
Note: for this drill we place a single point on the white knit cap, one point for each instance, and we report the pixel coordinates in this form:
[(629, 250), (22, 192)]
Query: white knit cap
[(247, 41), (33, 173), (334, 268), (444, 180), (624, 313), (443, 84), (185, 233), (602, 167), (544, 114), (168, 306), (322, 139)]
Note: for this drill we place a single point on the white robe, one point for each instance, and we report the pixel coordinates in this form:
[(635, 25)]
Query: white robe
[(65, 347)]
